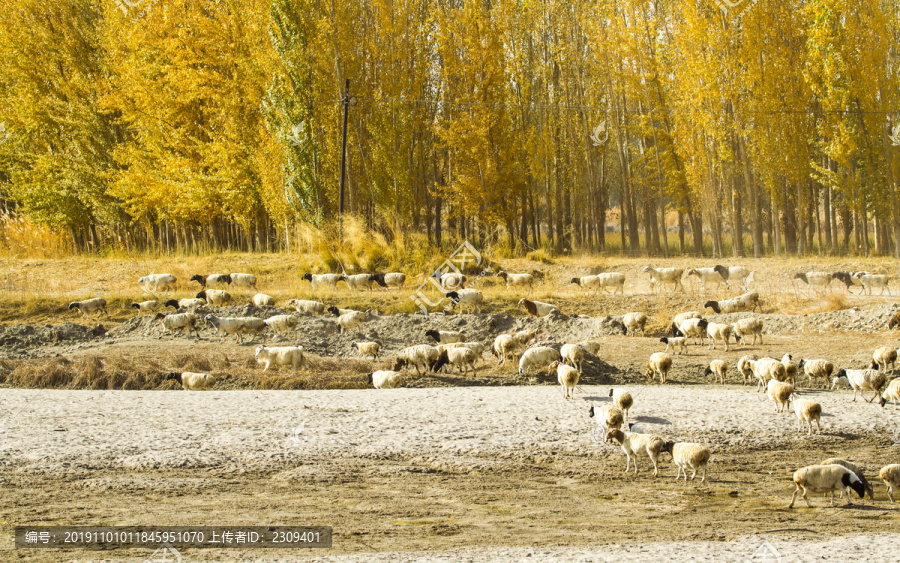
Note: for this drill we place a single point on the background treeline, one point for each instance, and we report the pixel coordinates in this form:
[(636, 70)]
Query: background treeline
[(208, 125)]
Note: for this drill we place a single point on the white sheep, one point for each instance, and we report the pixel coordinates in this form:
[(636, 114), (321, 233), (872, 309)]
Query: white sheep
[(393, 279), (452, 281), (638, 445), (665, 275), (421, 354), (825, 479), (745, 368), (590, 346), (517, 280), (659, 363), (765, 370), (706, 275), (158, 282), (614, 280), (732, 273), (869, 281), (321, 280), (445, 336), (840, 383), (145, 306), (281, 356), (890, 474), (506, 345), (263, 300), (746, 302), (688, 455), (215, 297), (357, 281), (567, 377), (676, 343), (623, 400), (237, 326), (538, 357), (337, 312), (179, 322), (212, 280), (864, 380), (780, 393), (537, 308), (243, 281), (88, 306), (367, 348), (743, 328), (691, 327), (635, 322), (466, 299), (608, 418), (476, 347), (807, 412), (883, 356), (572, 354), (816, 280), (716, 332), (718, 369), (856, 471), (282, 323), (307, 307), (790, 369), (681, 317), (891, 393), (187, 303), (385, 379), (192, 381), (462, 358), (815, 369), (350, 321)]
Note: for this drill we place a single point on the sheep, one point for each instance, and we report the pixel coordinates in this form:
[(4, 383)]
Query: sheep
[(718, 368), (505, 345), (869, 281), (681, 317), (350, 321), (743, 328), (687, 454), (590, 346), (357, 281), (780, 393), (262, 300), (622, 399), (745, 369), (466, 299), (849, 280), (445, 336), (815, 369), (393, 279), (746, 302), (537, 308), (219, 280), (88, 306), (158, 282), (216, 297), (635, 445), (790, 369), (718, 331), (421, 354), (321, 280), (463, 358), (659, 363), (808, 411), (706, 275), (307, 307), (895, 320), (608, 418), (824, 479), (179, 322), (282, 323), (567, 377), (476, 347), (614, 280), (890, 474), (815, 279), (864, 380), (730, 273), (572, 354), (675, 343), (856, 471), (334, 311), (237, 326), (451, 281), (766, 370), (539, 356), (588, 282), (281, 356), (385, 379), (840, 382), (243, 281), (145, 306), (665, 275), (892, 393), (190, 303), (691, 327), (635, 322), (517, 280), (367, 349), (192, 381), (883, 356)]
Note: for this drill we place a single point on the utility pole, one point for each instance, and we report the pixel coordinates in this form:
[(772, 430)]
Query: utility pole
[(348, 101)]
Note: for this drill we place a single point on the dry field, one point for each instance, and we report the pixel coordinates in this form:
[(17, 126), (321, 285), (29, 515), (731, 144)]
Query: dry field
[(495, 467)]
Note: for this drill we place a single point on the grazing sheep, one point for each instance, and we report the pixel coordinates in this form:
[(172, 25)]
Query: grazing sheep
[(675, 343), (856, 471), (808, 411), (745, 368), (145, 306), (263, 300), (780, 393), (191, 303), (622, 399), (88, 306), (572, 354), (179, 322), (476, 347), (638, 445), (243, 281), (307, 307), (882, 357), (815, 369), (445, 336), (192, 381), (890, 474), (393, 279), (212, 280), (825, 479), (732, 273), (665, 275), (566, 375), (357, 281), (840, 382), (688, 455), (517, 280), (463, 358), (537, 308), (869, 281), (538, 357), (321, 280), (350, 321), (158, 282), (635, 322), (892, 393), (864, 380), (818, 281), (895, 320), (739, 304), (451, 281), (281, 356), (506, 345), (659, 363), (766, 370), (608, 418), (790, 369), (717, 368), (717, 331), (237, 326), (590, 346), (385, 379), (367, 349), (467, 300), (419, 355), (681, 317), (743, 328), (691, 327), (215, 297), (706, 275), (282, 323)]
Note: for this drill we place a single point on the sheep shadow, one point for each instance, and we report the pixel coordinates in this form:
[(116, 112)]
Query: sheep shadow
[(650, 420)]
